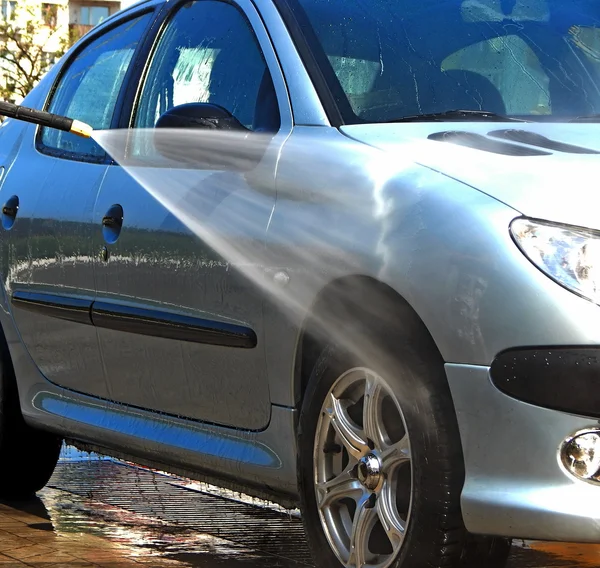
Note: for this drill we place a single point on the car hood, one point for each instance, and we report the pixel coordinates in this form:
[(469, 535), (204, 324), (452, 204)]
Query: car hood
[(543, 170)]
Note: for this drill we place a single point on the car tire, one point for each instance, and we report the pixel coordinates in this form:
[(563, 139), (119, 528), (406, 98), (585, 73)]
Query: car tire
[(28, 456), (404, 375)]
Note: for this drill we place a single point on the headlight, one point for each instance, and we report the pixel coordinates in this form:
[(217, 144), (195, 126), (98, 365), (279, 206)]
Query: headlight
[(570, 255)]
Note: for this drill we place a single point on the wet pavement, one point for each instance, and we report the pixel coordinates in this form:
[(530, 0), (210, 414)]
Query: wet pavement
[(98, 512)]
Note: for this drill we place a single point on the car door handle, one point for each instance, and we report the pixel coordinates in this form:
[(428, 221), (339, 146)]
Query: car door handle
[(112, 222), (10, 211)]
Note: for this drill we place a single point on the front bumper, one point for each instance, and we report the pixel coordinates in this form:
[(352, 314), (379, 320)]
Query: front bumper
[(514, 482)]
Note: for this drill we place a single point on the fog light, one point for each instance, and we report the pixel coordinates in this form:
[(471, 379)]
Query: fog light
[(581, 455)]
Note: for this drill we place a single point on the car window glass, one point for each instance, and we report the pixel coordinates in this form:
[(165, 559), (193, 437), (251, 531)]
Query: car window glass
[(209, 54), (89, 88), (512, 67), (585, 41), (387, 59), (498, 10)]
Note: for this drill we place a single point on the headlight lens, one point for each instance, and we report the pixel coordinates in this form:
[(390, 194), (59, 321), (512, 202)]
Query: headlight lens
[(570, 255)]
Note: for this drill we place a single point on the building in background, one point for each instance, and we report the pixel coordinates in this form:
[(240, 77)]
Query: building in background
[(85, 14)]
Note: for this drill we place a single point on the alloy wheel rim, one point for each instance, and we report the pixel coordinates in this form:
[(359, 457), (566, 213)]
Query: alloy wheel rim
[(363, 470)]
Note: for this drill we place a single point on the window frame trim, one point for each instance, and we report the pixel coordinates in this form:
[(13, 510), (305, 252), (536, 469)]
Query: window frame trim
[(314, 59), (104, 28), (257, 26)]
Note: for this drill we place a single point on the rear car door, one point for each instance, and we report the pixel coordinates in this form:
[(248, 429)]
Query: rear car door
[(180, 324), (49, 194)]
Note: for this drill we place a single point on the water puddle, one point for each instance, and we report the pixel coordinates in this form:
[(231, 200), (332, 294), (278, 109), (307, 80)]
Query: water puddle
[(101, 511), (159, 515)]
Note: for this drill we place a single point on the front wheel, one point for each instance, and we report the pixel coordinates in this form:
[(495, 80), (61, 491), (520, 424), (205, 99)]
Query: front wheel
[(380, 463)]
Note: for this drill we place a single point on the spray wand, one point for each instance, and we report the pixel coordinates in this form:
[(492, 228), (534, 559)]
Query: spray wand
[(45, 119)]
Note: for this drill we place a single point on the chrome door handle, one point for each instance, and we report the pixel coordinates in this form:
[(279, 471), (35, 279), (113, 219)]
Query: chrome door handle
[(112, 223)]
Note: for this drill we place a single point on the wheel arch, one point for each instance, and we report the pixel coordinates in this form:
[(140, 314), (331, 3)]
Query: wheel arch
[(334, 301), (342, 302)]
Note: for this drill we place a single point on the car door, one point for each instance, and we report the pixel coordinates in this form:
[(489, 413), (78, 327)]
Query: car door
[(180, 323), (48, 196)]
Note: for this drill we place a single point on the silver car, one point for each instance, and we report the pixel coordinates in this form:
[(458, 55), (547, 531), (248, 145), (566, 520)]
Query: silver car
[(338, 255)]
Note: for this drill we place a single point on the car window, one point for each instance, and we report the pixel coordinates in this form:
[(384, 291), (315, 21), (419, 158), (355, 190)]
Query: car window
[(90, 85), (208, 53), (514, 70), (387, 59), (585, 41), (498, 10)]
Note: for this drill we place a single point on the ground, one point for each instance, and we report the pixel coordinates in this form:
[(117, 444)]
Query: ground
[(98, 512)]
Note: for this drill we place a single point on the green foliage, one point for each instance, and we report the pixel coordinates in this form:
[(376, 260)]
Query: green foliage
[(31, 40)]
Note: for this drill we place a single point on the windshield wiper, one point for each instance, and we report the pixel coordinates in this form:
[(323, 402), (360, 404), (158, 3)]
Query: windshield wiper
[(458, 115), (588, 118)]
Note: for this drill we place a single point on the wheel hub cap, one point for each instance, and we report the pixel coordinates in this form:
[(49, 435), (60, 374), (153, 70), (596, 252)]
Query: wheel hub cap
[(369, 471), (363, 470)]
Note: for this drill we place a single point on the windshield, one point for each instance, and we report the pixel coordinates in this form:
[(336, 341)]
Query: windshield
[(386, 59)]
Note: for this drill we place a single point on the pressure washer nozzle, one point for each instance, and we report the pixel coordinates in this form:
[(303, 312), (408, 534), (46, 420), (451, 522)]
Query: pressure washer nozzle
[(47, 119), (81, 129)]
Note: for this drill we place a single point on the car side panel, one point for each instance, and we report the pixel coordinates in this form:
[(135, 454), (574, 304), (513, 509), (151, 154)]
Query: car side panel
[(261, 463), (50, 275), (47, 251), (159, 271), (441, 245)]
